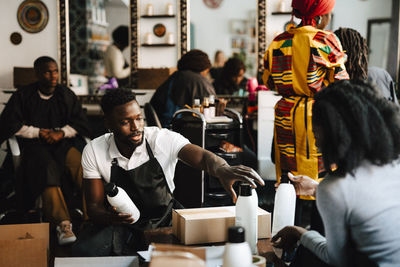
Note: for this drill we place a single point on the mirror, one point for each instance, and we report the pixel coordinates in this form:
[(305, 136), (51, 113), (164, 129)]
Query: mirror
[(98, 12), (233, 27), (378, 22), (378, 42)]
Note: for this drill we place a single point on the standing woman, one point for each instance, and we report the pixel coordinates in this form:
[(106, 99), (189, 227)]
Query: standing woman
[(299, 63)]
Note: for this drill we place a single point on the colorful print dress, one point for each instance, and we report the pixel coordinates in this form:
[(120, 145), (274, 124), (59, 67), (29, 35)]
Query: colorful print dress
[(299, 63)]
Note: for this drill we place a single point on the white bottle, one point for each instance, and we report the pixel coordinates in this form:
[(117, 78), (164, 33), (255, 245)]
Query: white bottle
[(246, 214), (284, 205), (212, 106), (237, 252), (170, 9), (118, 198)]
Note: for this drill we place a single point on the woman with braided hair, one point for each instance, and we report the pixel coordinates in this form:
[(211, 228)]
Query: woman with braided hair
[(358, 133), (356, 48)]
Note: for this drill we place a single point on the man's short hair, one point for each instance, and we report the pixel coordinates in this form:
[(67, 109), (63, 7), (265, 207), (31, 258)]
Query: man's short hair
[(39, 62), (121, 35), (194, 60), (116, 97)]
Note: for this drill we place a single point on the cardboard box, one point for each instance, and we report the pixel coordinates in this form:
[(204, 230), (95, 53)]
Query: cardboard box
[(177, 256), (24, 244), (120, 261), (210, 225)]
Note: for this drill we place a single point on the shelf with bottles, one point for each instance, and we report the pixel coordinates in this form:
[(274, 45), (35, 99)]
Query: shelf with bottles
[(282, 13), (158, 45), (157, 16)]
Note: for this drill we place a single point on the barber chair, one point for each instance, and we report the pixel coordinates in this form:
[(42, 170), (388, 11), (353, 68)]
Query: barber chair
[(151, 116), (19, 215), (195, 188)]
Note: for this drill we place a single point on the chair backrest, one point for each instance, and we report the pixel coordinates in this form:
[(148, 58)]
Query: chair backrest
[(151, 116)]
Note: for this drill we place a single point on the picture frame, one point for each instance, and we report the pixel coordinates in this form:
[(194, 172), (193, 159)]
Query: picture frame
[(238, 26)]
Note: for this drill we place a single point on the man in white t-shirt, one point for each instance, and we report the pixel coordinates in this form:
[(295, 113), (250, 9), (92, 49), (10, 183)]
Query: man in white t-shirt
[(141, 160)]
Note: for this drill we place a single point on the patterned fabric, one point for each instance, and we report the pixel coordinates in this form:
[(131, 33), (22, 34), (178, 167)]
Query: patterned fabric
[(299, 63)]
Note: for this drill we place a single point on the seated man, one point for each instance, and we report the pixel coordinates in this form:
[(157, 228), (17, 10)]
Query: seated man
[(46, 117), (183, 86), (142, 161)]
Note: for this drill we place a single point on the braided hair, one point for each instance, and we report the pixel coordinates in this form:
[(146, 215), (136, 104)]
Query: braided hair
[(355, 124), (357, 52), (116, 97)]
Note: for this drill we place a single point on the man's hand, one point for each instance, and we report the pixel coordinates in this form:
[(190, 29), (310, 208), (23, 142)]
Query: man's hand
[(303, 184), (44, 134), (287, 237), (120, 218), (228, 175), (50, 136)]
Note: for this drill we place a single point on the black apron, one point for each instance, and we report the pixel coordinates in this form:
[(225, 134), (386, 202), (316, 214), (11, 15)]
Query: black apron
[(147, 186)]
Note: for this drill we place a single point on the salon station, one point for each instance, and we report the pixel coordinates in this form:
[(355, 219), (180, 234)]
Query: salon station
[(199, 133)]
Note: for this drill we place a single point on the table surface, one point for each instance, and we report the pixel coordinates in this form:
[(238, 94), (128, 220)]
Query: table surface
[(165, 236)]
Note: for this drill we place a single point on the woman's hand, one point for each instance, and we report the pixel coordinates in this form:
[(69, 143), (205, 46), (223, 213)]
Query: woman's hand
[(303, 184), (287, 237)]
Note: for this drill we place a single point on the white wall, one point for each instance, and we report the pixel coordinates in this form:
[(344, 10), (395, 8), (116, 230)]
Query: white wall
[(212, 26), (355, 13), (33, 45), (157, 57), (347, 13)]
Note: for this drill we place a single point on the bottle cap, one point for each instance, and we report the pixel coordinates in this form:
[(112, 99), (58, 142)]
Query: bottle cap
[(197, 102), (211, 99), (235, 234), (284, 178), (245, 190), (111, 189)]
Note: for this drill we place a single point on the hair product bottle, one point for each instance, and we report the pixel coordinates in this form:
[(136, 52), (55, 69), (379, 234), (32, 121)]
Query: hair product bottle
[(196, 105), (206, 108), (246, 214), (237, 251), (212, 106), (284, 205), (118, 198)]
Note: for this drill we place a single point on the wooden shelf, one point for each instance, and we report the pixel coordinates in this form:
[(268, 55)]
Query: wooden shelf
[(158, 45), (282, 13), (157, 16)]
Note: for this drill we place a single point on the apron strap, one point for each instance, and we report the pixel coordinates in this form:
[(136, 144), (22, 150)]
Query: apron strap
[(114, 166), (149, 151)]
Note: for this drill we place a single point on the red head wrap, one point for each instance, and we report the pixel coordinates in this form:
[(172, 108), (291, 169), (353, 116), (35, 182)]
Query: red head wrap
[(309, 9)]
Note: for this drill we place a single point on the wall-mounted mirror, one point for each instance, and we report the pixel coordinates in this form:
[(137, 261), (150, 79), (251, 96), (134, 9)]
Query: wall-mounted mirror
[(378, 22), (85, 27), (378, 36), (233, 27)]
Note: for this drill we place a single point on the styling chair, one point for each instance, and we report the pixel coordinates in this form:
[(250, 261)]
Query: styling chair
[(151, 116), (203, 190), (34, 214)]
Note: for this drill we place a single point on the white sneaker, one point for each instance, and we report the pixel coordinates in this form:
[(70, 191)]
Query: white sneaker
[(65, 234)]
